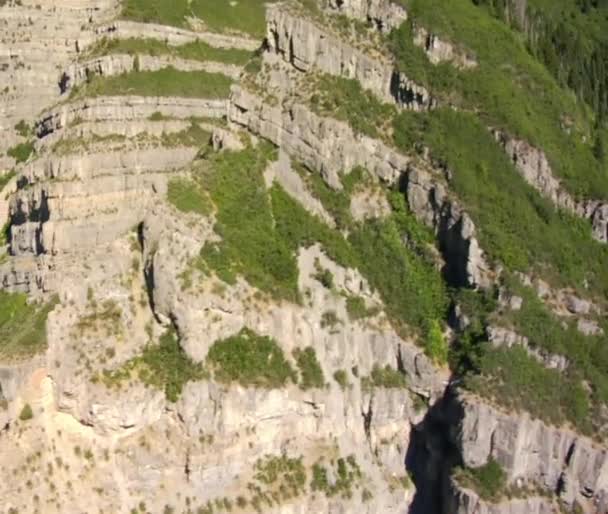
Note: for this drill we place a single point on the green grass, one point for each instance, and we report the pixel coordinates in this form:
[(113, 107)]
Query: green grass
[(164, 366), (386, 377), (165, 82), (250, 360), (509, 89), (187, 196), (262, 231), (346, 476), (518, 382), (6, 178), (21, 152), (311, 374), (247, 16), (489, 480), (517, 226), (22, 326), (197, 50)]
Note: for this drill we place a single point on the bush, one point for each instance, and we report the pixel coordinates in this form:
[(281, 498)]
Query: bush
[(22, 325), (26, 413), (386, 377), (489, 480), (341, 377), (436, 346), (311, 374), (21, 152), (250, 360)]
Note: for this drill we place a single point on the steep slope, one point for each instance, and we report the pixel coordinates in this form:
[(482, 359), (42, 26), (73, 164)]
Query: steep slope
[(303, 256)]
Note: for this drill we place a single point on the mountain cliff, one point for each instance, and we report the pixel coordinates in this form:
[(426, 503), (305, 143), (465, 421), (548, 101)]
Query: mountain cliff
[(303, 256)]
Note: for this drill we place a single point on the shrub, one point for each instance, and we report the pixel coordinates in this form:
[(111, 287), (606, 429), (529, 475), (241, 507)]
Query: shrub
[(436, 346), (387, 377), (26, 413), (311, 374), (21, 152), (489, 480), (341, 377), (250, 360)]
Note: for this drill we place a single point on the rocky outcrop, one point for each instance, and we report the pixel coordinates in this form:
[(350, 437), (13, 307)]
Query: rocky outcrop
[(109, 65), (385, 15), (438, 50), (557, 459), (533, 165), (331, 147), (122, 29), (125, 108), (307, 46), (503, 337), (466, 501)]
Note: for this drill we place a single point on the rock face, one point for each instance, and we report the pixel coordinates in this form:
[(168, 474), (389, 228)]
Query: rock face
[(556, 458), (385, 15), (107, 223), (303, 44)]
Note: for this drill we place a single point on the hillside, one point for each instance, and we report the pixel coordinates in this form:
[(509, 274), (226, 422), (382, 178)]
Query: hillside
[(342, 256)]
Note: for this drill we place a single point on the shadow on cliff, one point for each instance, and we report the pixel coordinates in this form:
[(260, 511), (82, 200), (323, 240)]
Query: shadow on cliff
[(432, 454)]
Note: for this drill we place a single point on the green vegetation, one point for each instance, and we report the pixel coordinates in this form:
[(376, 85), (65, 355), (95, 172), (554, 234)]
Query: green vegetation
[(218, 15), (516, 226), (23, 129), (489, 480), (351, 103), (569, 38), (250, 360), (164, 366), (165, 82), (341, 377), (196, 51), (187, 196), (311, 374), (335, 202), (410, 285), (22, 325), (262, 232), (356, 308), (26, 413), (22, 151), (517, 381), (286, 475), (347, 476), (509, 89), (386, 377), (6, 178)]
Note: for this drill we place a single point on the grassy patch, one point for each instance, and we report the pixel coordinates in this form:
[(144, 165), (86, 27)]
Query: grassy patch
[(21, 152), (346, 475), (165, 82), (187, 196), (246, 16), (386, 377), (517, 381), (509, 89), (196, 51), (6, 178), (311, 374), (489, 480), (164, 366), (22, 326), (250, 360)]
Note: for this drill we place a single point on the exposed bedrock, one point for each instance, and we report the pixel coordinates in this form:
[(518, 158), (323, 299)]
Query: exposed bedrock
[(125, 108), (306, 46)]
